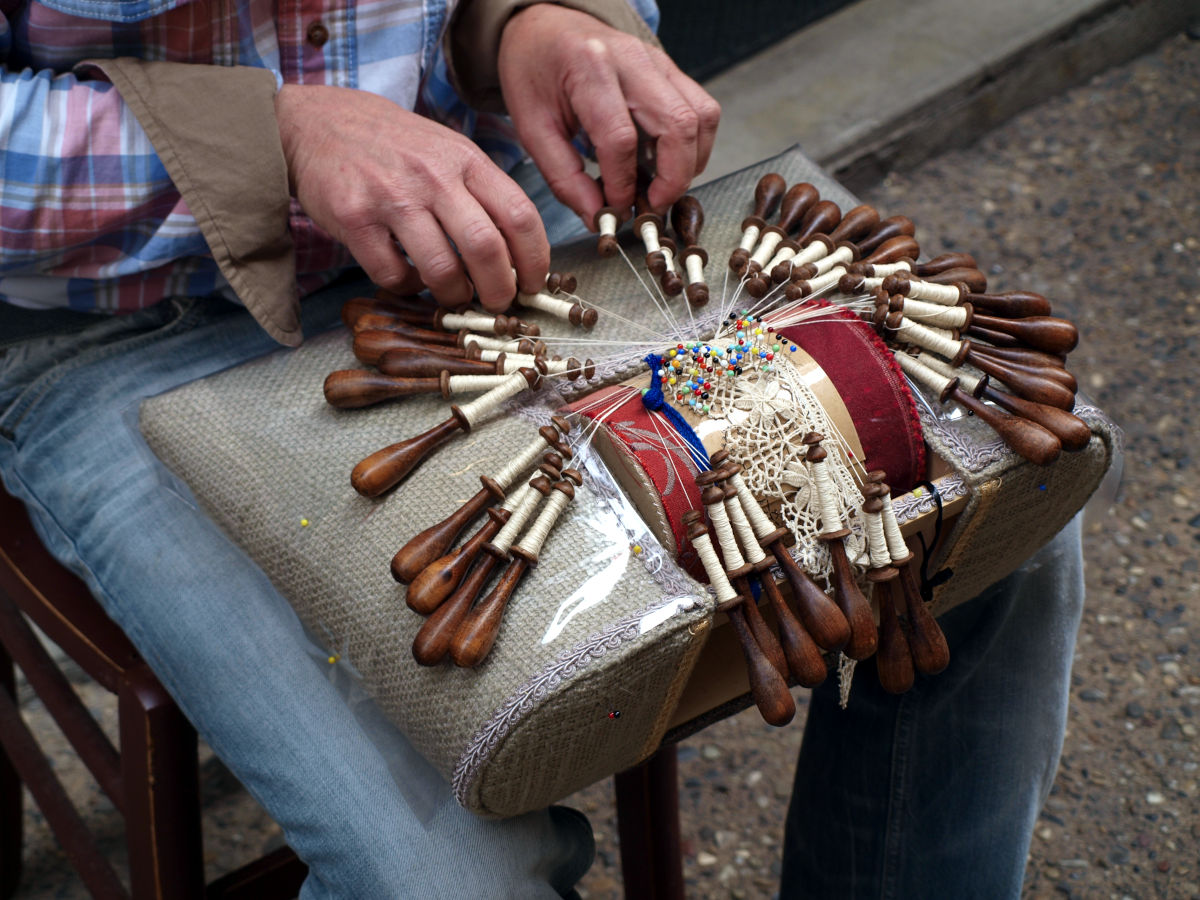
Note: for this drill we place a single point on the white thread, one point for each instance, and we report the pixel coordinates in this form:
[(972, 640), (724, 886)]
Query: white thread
[(867, 285), (935, 314), (882, 270), (829, 279), (607, 224), (784, 253), (695, 268), (487, 342), (531, 542), (877, 541), (945, 294), (897, 547), (514, 498), (729, 547), (810, 254), (650, 236), (472, 321), (966, 380), (749, 238), (554, 306), (918, 372), (524, 460), (520, 515), (831, 516), (759, 521), (712, 567), (912, 333), (745, 534), (481, 406), (470, 384), (838, 257), (770, 240), (668, 258)]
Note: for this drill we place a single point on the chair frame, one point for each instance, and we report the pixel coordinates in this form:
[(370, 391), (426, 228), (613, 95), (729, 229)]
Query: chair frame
[(153, 779)]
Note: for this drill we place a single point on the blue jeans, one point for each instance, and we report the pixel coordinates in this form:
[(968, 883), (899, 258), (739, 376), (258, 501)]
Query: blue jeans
[(370, 817), (935, 793)]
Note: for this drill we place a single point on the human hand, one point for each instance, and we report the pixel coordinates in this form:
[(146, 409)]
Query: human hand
[(561, 69), (373, 174)]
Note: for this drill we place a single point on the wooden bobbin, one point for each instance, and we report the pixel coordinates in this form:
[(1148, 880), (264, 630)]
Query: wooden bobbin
[(477, 633), (563, 282), (843, 255), (926, 642), (797, 290), (605, 222), (1025, 438), (370, 346), (672, 284), (893, 659), (846, 593), (768, 688), (911, 286), (386, 468), (687, 218), (422, 549), (404, 363), (435, 637), (767, 193), (889, 229), (567, 310), (483, 342), (820, 616), (356, 388), (380, 322), (797, 202), (1046, 333), (649, 226), (1010, 304)]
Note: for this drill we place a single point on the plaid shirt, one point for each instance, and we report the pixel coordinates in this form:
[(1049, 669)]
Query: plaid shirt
[(88, 215)]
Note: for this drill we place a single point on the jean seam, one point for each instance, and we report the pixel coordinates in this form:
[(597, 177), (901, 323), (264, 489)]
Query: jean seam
[(187, 311), (893, 841)]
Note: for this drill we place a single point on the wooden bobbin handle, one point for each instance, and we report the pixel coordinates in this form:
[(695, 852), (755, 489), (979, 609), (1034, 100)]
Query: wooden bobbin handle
[(405, 363), (356, 388), (855, 224), (386, 468), (822, 218), (893, 659), (477, 633), (1047, 333), (1072, 432), (441, 578), (1022, 356), (380, 322), (822, 617), (422, 549), (687, 218), (804, 659), (767, 194), (370, 346), (1010, 304), (889, 229), (943, 263), (972, 279), (763, 635), (1025, 438), (434, 638), (927, 643), (1032, 384)]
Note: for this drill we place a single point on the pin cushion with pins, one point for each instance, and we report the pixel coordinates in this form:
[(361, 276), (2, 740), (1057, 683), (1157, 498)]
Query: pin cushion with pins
[(550, 558)]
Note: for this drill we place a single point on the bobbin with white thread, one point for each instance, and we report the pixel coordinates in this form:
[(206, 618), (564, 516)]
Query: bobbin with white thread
[(672, 283), (863, 636), (767, 194), (567, 310), (932, 315), (605, 222), (687, 218), (818, 247), (841, 256), (797, 290), (714, 501), (911, 286)]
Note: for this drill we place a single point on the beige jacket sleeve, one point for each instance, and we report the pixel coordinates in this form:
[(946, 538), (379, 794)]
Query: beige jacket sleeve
[(472, 41), (214, 129)]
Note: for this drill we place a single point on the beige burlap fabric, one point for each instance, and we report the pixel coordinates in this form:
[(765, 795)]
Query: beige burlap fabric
[(591, 630)]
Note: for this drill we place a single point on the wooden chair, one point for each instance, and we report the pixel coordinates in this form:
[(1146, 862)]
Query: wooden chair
[(153, 780)]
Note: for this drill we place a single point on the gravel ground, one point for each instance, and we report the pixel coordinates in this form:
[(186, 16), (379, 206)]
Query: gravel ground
[(1091, 198)]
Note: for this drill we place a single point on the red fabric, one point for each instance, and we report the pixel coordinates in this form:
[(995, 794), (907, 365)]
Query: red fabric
[(873, 388), (668, 465)]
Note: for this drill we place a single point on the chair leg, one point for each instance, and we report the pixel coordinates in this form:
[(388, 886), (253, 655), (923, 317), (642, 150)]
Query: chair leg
[(648, 828), (11, 823), (160, 770)]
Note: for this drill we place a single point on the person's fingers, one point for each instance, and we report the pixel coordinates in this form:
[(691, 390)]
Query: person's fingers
[(385, 264), (708, 110), (528, 249), (668, 117), (441, 269), (600, 104), (560, 164), (482, 248)]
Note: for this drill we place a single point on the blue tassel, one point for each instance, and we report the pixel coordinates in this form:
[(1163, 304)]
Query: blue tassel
[(654, 401)]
